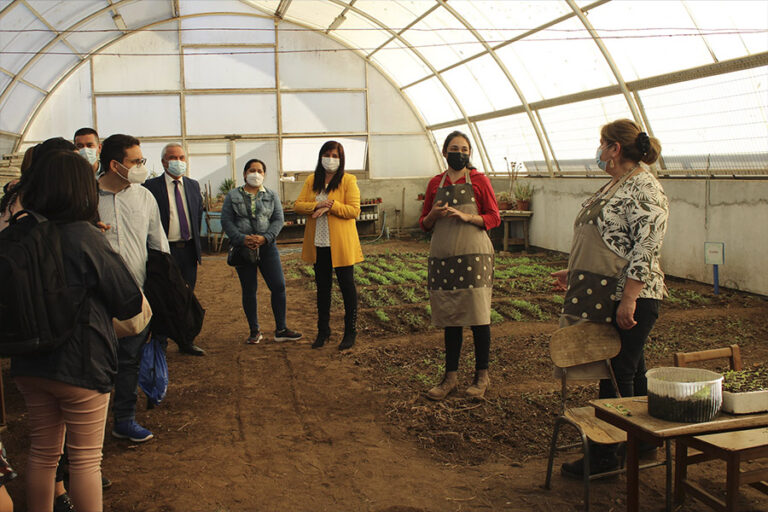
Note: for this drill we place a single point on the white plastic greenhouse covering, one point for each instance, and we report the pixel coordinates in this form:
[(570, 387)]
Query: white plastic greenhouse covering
[(531, 82)]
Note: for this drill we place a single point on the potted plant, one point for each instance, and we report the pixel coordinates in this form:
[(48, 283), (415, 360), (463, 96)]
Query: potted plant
[(746, 391), (504, 201), (523, 194)]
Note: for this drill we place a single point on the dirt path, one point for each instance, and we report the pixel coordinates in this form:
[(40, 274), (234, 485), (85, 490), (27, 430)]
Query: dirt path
[(283, 427)]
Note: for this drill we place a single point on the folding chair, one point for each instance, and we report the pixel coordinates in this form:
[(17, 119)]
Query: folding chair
[(572, 349)]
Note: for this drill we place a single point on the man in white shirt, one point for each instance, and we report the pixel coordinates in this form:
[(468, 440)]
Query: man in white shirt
[(181, 212), (86, 141), (133, 224)]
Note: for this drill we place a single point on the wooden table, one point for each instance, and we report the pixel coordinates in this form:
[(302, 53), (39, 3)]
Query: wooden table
[(641, 426), (510, 216)]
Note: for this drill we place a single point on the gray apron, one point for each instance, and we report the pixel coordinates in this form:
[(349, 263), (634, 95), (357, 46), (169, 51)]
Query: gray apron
[(461, 256), (594, 271)]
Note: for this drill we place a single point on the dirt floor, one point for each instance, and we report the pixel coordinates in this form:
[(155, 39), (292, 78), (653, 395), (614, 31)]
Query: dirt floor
[(283, 427)]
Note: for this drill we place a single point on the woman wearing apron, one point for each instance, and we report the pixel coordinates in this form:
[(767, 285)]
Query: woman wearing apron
[(613, 273), (459, 208)]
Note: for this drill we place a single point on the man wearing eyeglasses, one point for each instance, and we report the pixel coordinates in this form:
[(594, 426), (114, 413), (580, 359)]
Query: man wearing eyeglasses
[(132, 217)]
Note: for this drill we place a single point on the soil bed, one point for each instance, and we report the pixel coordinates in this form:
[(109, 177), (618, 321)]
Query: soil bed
[(283, 427)]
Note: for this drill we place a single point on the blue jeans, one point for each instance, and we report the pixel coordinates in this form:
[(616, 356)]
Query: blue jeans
[(272, 272), (129, 351)]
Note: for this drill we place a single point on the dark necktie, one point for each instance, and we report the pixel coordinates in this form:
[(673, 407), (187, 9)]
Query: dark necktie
[(183, 225)]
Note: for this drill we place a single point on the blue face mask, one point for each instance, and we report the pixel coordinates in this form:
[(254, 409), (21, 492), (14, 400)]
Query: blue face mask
[(601, 164), (177, 168)]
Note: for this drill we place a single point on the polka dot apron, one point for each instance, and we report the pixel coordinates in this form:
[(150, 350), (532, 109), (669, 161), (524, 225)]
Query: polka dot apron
[(593, 275), (460, 276)]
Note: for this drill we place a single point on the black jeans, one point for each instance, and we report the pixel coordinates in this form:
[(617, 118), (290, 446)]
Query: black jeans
[(453, 341), (323, 280), (629, 364)]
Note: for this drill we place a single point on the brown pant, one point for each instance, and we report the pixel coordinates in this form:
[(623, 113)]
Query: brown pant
[(55, 408)]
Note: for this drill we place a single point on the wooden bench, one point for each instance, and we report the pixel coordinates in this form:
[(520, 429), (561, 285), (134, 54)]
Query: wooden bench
[(732, 447)]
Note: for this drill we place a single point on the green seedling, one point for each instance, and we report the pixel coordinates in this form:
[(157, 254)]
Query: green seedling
[(381, 315)]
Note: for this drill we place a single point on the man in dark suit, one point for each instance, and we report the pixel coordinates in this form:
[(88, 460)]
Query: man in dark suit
[(181, 211)]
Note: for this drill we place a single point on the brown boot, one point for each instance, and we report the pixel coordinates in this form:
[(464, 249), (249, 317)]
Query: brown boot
[(481, 383), (450, 382)]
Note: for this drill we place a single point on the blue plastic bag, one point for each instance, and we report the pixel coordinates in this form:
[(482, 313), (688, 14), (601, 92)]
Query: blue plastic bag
[(153, 372)]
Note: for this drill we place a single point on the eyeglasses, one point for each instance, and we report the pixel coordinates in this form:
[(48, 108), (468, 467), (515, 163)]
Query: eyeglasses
[(138, 161)]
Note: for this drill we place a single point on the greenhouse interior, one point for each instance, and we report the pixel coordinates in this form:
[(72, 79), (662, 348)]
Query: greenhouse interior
[(524, 95)]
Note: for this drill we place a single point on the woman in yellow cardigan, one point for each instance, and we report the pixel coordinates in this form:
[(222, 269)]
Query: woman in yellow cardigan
[(331, 200)]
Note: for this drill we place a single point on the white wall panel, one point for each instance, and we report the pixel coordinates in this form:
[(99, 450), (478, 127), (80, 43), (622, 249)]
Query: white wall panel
[(67, 109), (725, 114), (402, 156), (229, 68), (435, 103), (140, 116), (63, 15), (17, 47), (227, 30), (442, 39), (628, 30), (481, 86), (323, 112), (188, 7), (51, 66), (94, 34), (145, 61), (309, 60), (512, 137), (388, 110), (231, 113), (211, 169), (574, 129), (406, 67), (301, 154), (139, 14), (17, 106), (558, 61)]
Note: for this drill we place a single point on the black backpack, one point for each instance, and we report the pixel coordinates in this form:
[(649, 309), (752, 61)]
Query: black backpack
[(38, 310)]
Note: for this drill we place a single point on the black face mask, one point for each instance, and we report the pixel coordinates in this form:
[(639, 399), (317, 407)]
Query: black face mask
[(457, 161)]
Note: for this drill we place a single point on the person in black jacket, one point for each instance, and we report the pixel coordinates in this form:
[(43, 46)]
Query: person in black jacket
[(68, 388)]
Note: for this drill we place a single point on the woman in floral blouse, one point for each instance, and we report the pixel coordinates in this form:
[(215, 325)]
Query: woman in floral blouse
[(613, 272)]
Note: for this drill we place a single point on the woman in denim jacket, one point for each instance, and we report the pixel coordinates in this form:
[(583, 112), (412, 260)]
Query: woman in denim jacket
[(252, 216)]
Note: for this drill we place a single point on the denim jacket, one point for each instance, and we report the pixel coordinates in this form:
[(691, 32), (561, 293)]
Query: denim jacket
[(236, 216)]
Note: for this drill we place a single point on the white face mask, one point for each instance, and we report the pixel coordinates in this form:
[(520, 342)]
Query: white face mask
[(177, 168), (331, 165), (136, 174), (90, 154), (254, 179)]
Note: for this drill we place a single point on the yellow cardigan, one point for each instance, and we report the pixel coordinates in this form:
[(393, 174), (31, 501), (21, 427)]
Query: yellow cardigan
[(345, 243)]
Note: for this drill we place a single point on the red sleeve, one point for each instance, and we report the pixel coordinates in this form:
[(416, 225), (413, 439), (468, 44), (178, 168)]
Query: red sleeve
[(485, 199), (429, 199)]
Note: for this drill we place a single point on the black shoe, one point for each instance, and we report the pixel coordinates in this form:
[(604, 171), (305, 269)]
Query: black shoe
[(106, 483), (322, 337), (63, 504), (192, 350), (575, 469), (287, 335), (348, 341)]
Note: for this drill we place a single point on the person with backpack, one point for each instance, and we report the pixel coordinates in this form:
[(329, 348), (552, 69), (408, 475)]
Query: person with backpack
[(131, 217), (66, 385)]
